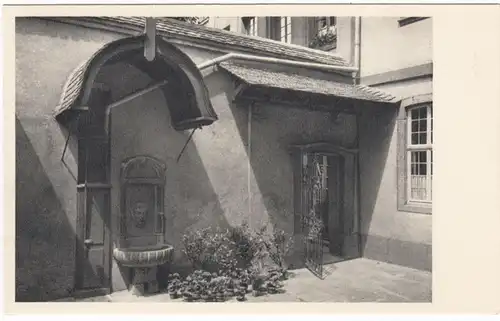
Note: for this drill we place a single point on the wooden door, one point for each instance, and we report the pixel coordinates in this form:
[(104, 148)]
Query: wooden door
[(93, 241)]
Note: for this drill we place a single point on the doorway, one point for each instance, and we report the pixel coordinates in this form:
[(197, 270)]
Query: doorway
[(324, 197)]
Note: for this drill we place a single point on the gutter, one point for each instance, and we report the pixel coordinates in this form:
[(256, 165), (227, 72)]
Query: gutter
[(233, 55)]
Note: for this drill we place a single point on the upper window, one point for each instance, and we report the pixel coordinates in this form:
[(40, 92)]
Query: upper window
[(324, 33), (324, 22), (286, 29), (250, 26), (419, 154), (280, 28)]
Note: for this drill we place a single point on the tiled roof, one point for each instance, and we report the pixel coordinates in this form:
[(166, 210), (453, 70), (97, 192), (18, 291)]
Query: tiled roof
[(296, 82), (171, 28), (73, 86)]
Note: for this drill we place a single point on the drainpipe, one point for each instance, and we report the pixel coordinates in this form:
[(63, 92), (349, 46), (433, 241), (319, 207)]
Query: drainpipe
[(233, 55), (249, 155), (357, 49), (357, 179)]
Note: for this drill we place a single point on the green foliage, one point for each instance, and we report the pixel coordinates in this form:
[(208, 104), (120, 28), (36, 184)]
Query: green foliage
[(227, 263)]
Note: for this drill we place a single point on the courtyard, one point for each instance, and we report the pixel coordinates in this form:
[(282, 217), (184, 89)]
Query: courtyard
[(358, 280)]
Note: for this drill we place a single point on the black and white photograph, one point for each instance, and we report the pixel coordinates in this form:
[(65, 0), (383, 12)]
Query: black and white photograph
[(223, 159)]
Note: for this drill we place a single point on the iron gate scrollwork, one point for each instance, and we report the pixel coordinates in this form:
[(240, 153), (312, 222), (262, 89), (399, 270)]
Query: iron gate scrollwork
[(314, 198)]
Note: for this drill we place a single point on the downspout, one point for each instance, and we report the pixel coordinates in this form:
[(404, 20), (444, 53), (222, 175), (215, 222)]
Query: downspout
[(357, 49), (249, 155), (357, 81)]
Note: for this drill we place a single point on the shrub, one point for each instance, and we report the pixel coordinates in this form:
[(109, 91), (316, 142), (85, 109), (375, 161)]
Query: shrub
[(210, 250), (215, 255)]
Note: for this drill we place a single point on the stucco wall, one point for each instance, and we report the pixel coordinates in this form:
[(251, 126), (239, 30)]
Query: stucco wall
[(385, 46), (273, 130), (45, 189), (210, 184), (388, 234)]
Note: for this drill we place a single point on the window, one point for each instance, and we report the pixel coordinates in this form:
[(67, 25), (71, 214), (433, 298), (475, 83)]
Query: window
[(324, 22), (280, 28), (227, 28), (419, 154), (415, 154), (286, 29), (323, 33), (250, 26)]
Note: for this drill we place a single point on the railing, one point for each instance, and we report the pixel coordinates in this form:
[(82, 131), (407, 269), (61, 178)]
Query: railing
[(421, 188)]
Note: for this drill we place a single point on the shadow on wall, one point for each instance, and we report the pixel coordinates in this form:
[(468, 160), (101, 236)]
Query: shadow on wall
[(376, 134), (273, 130), (194, 204), (143, 127), (45, 240)]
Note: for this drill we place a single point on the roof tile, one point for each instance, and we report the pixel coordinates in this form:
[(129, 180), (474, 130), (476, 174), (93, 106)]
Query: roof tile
[(293, 81), (171, 28)]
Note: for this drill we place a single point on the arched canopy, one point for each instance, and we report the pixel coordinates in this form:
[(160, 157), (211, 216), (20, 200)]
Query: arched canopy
[(185, 92)]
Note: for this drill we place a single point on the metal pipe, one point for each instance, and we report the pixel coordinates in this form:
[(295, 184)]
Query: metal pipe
[(129, 98), (136, 94), (357, 48), (249, 155), (233, 55)]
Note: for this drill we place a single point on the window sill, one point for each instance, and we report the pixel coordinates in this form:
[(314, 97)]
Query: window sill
[(416, 208)]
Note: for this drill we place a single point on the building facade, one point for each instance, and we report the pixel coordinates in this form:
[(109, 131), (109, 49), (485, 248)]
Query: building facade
[(395, 55), (120, 172)]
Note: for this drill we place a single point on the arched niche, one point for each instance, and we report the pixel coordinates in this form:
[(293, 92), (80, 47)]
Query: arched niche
[(142, 185)]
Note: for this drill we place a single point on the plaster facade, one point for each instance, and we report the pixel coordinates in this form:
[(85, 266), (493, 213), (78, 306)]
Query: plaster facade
[(228, 173)]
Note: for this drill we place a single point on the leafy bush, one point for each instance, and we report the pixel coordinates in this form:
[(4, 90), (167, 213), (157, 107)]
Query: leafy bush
[(215, 254), (209, 250)]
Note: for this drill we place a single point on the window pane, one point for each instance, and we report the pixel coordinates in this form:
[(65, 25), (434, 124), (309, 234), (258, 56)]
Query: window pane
[(422, 125), (423, 138), (422, 157), (422, 112), (414, 126), (414, 139), (415, 112), (418, 179)]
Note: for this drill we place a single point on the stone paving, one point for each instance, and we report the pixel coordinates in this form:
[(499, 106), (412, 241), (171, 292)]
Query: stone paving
[(359, 280)]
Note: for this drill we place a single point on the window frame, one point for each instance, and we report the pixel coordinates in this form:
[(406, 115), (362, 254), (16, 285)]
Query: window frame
[(317, 25), (285, 29), (426, 147), (404, 148), (275, 28), (250, 25)]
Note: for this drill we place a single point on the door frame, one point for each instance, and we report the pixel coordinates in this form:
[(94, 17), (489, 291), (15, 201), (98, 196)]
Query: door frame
[(350, 203), (101, 97)]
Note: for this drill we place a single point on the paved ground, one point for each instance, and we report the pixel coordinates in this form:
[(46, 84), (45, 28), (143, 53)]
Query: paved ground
[(359, 280)]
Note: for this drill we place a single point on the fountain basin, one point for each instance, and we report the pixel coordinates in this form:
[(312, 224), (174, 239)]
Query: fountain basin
[(143, 257)]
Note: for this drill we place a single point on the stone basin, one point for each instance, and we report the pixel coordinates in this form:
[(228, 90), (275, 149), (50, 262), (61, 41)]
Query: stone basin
[(143, 257)]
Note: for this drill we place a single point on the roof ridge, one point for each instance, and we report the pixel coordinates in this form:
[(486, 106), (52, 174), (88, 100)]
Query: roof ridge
[(258, 38), (170, 26)]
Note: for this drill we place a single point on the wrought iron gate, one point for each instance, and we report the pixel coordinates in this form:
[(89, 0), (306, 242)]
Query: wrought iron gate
[(314, 198)]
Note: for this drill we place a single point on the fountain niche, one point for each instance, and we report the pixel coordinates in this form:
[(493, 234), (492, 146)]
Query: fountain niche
[(142, 247)]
